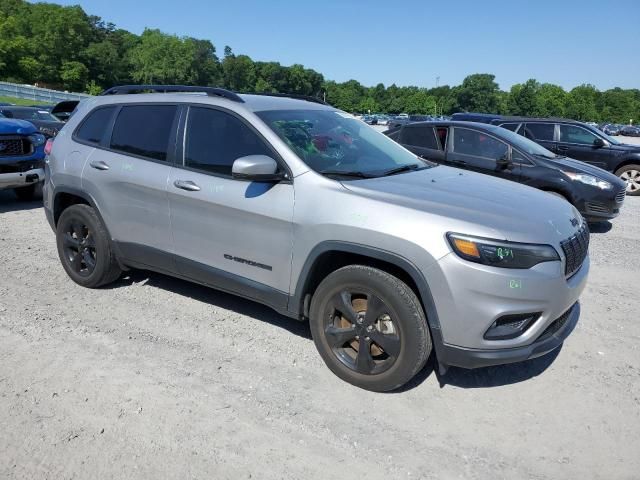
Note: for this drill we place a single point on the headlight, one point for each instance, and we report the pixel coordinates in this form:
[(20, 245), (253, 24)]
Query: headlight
[(588, 180), (498, 253), (37, 139), (49, 132)]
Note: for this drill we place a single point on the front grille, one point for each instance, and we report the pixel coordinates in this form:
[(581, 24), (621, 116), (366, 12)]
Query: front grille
[(597, 207), (556, 325), (14, 146), (620, 196), (575, 250)]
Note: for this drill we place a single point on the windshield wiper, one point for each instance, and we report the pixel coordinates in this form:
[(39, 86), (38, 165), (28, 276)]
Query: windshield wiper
[(404, 168), (346, 173)]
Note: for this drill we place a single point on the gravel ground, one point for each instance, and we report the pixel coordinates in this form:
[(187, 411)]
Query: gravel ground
[(159, 378)]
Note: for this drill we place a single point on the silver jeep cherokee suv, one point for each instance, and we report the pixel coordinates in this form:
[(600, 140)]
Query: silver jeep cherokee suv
[(297, 205)]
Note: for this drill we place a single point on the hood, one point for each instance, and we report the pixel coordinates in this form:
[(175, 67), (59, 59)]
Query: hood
[(10, 126), (626, 147), (463, 199), (581, 167)]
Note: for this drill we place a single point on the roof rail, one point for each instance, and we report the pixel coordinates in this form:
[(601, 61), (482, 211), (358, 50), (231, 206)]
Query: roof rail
[(297, 96), (211, 91), (524, 118)]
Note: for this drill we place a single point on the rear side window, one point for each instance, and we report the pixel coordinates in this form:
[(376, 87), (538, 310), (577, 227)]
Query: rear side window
[(478, 144), (95, 125), (215, 139), (423, 137), (144, 130), (393, 135), (540, 131)]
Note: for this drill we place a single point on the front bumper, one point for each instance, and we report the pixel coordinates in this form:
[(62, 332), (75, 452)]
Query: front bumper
[(549, 340), (21, 179), (603, 205), (469, 297)]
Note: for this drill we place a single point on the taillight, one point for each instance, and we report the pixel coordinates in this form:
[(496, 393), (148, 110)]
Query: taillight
[(48, 146)]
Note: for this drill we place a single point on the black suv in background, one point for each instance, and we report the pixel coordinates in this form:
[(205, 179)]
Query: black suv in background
[(575, 140), (492, 150)]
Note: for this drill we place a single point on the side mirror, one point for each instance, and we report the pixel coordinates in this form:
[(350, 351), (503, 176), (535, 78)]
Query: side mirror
[(598, 143), (257, 168), (503, 163)]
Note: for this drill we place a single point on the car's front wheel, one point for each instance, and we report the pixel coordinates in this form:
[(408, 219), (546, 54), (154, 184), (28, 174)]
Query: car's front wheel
[(369, 328), (631, 175), (84, 247)]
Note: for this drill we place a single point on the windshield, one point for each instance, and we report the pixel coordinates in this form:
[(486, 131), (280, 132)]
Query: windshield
[(333, 142), (28, 114), (525, 145)]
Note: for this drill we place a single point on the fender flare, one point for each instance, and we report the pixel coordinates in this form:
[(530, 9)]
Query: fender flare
[(296, 301)]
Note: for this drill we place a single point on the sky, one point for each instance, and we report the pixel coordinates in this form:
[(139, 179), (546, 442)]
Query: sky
[(410, 42)]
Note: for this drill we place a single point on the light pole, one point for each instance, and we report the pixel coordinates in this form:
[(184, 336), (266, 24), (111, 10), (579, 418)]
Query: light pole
[(435, 107)]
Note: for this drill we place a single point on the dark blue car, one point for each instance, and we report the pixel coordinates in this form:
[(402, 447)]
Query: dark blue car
[(21, 157)]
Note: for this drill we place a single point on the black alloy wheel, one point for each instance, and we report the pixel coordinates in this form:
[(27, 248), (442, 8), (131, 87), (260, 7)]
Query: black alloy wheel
[(84, 247), (80, 248), (361, 331), (369, 327)]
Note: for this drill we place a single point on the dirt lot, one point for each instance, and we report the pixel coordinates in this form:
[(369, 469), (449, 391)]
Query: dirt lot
[(158, 378)]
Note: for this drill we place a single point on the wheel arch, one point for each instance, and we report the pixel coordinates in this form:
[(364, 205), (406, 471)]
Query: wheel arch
[(329, 256), (64, 197), (627, 161)]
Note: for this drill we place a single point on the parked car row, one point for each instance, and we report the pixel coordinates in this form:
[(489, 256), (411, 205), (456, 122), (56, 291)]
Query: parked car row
[(574, 140), (617, 129), (630, 131), (388, 256)]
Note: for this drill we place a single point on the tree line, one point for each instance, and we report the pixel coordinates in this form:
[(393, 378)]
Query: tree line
[(64, 47)]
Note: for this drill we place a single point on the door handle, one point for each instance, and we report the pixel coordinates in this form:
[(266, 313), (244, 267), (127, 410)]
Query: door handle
[(563, 148), (187, 185), (459, 162), (99, 165)]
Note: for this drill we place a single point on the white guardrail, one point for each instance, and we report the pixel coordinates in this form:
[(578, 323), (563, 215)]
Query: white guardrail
[(38, 95)]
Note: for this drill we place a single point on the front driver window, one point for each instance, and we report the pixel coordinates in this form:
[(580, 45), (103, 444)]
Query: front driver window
[(575, 134), (478, 144), (215, 139)]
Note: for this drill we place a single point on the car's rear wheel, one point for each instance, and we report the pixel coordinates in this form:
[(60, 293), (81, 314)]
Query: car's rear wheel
[(84, 247), (631, 175), (26, 194), (369, 328)]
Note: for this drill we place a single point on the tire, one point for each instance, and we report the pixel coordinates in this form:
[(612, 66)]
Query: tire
[(396, 335), (631, 175), (85, 249), (26, 194)]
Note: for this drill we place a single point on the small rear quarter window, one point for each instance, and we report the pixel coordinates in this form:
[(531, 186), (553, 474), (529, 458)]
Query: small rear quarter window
[(94, 126)]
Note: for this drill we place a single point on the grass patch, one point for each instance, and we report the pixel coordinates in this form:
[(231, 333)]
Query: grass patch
[(20, 101)]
